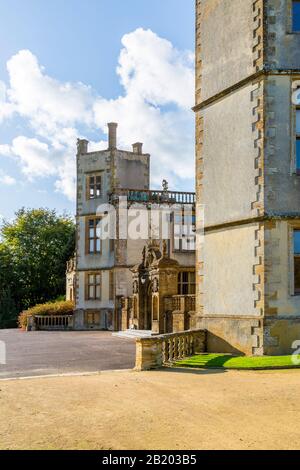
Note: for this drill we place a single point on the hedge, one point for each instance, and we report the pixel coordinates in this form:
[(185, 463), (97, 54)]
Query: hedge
[(50, 308)]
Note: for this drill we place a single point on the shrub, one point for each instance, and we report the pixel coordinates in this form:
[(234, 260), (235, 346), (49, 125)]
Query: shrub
[(50, 308)]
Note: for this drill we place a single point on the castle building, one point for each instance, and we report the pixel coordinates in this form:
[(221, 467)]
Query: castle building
[(115, 181), (248, 174)]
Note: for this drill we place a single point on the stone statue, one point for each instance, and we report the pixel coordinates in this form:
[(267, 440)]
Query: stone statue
[(165, 186)]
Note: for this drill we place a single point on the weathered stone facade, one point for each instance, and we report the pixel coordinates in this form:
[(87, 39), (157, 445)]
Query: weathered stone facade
[(71, 279), (156, 304), (116, 179), (247, 68), (116, 169)]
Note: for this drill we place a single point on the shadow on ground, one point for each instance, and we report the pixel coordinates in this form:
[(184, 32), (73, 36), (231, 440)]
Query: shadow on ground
[(191, 370)]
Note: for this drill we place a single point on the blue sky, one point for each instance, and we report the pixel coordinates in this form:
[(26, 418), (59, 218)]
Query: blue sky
[(79, 41)]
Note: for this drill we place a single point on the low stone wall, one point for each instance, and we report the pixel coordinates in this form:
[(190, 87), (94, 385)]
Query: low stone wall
[(159, 350)]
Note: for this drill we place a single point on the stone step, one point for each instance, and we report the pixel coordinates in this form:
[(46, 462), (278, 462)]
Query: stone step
[(133, 334)]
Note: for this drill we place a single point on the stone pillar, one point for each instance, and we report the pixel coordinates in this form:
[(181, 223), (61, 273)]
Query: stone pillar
[(200, 338), (148, 354), (178, 322), (125, 315), (30, 324), (112, 135)]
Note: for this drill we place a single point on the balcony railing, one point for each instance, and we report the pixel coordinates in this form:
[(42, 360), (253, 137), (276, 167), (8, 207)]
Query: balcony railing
[(158, 197), (181, 303)]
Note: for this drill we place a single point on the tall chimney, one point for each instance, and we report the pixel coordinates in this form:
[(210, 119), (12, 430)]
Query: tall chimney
[(82, 146), (112, 135), (138, 148)]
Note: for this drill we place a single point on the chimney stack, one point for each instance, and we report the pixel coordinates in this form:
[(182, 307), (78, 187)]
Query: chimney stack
[(138, 148), (112, 135), (82, 146)]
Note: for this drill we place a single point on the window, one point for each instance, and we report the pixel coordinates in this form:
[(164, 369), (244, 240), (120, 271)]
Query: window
[(93, 286), (93, 236), (296, 16), (298, 140), (186, 283), (297, 261), (92, 319), (94, 186), (184, 231)]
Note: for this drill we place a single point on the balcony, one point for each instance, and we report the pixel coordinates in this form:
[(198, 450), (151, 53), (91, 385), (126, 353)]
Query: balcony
[(180, 303), (155, 197)]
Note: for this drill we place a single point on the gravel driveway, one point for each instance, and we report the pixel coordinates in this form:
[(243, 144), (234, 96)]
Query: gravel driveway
[(47, 353)]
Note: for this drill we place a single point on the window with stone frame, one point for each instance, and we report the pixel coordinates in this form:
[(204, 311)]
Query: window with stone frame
[(295, 16), (93, 286), (92, 318), (94, 186), (297, 261), (93, 235), (186, 283), (184, 231)]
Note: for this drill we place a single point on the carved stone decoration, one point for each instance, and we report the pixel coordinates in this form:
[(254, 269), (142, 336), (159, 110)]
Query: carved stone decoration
[(155, 287), (165, 249), (153, 253), (135, 287)]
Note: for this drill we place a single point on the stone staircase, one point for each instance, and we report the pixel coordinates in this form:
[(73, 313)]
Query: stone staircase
[(133, 334)]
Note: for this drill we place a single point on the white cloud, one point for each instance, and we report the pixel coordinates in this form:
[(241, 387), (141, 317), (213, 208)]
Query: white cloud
[(45, 101), (158, 83), (152, 69), (6, 108), (5, 150), (35, 157), (2, 92), (6, 180)]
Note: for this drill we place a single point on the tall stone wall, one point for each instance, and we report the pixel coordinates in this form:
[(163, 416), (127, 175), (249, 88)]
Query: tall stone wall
[(247, 61)]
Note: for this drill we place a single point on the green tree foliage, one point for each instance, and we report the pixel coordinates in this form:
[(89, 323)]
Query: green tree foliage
[(34, 249), (8, 310)]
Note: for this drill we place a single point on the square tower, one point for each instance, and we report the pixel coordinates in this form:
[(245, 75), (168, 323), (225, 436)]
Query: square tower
[(102, 265), (248, 174)]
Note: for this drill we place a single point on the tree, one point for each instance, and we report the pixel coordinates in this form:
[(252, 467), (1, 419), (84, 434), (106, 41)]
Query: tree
[(33, 253), (8, 309)]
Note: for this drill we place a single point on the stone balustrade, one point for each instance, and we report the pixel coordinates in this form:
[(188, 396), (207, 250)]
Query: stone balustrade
[(50, 322), (180, 303), (158, 197), (154, 352)]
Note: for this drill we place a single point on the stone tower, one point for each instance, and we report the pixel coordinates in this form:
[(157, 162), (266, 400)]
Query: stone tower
[(248, 167), (103, 266)]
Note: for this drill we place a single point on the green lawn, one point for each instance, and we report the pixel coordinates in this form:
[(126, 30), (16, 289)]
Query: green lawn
[(204, 361)]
